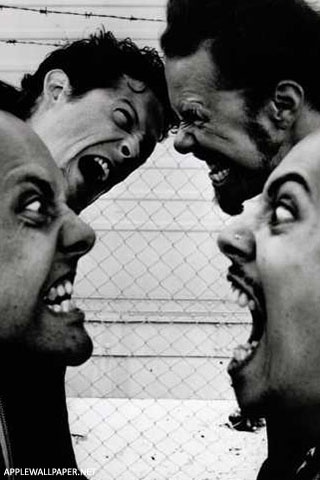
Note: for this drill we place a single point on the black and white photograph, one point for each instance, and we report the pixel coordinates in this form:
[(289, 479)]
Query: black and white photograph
[(160, 239)]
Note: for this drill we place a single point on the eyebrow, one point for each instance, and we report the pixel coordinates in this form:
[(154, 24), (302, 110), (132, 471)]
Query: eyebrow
[(43, 185), (289, 177)]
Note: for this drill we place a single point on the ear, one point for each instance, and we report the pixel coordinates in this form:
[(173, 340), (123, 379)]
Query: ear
[(286, 103), (56, 87)]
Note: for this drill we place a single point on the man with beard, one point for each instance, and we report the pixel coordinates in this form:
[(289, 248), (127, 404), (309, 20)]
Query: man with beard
[(243, 79)]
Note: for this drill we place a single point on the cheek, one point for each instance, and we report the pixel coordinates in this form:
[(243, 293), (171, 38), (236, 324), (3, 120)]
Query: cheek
[(76, 133), (26, 258), (292, 293)]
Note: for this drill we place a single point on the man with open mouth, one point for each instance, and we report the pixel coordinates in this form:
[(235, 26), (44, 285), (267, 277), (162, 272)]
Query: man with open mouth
[(274, 249), (100, 105), (41, 329), (242, 79)]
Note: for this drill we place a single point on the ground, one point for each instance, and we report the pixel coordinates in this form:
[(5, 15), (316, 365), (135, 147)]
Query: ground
[(122, 439)]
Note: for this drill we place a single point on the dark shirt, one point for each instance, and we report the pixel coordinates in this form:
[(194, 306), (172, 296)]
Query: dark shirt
[(308, 469)]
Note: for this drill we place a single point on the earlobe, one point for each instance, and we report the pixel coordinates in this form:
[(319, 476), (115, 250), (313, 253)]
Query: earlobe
[(287, 101), (56, 86)]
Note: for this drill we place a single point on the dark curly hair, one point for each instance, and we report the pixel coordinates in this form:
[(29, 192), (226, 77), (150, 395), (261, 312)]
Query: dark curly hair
[(254, 43), (99, 62)]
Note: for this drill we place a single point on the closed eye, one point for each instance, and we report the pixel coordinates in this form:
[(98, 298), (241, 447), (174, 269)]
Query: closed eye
[(123, 119), (193, 114)]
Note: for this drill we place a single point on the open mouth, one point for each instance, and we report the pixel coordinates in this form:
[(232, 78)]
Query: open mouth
[(58, 298), (247, 294), (219, 169), (97, 173), (95, 168), (218, 176)]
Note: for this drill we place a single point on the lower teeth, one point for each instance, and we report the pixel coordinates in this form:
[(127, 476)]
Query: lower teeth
[(243, 352), (64, 307)]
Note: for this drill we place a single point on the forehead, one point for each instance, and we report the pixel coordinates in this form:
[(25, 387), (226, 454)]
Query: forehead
[(21, 148), (191, 75), (303, 160)]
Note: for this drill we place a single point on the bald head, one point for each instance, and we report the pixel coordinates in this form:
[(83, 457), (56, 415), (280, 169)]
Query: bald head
[(17, 138)]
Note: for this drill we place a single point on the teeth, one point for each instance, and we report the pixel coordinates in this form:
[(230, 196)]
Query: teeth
[(243, 300), (252, 305), (56, 308), (234, 295), (52, 294), (56, 294), (65, 306), (240, 353), (105, 168), (68, 287), (61, 290), (104, 165), (220, 176), (243, 352)]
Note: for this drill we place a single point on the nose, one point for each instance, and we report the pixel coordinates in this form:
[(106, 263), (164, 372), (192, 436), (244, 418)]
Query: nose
[(237, 242), (130, 147), (184, 141), (76, 237)]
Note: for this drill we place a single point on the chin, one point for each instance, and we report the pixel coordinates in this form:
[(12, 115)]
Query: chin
[(252, 406), (72, 353), (238, 190), (79, 354), (228, 203)]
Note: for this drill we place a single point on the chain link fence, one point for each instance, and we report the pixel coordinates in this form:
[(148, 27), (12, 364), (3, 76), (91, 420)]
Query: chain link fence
[(153, 401)]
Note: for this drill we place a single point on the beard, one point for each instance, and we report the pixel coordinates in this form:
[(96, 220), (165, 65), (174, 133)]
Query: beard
[(245, 183), (241, 186)]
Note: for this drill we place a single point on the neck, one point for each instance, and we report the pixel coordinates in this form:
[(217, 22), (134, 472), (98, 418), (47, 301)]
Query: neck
[(33, 397)]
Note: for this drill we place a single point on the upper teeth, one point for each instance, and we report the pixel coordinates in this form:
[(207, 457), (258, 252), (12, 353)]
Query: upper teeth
[(63, 289), (242, 299), (104, 165), (59, 297), (220, 176)]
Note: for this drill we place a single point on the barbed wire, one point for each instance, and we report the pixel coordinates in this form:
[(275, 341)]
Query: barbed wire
[(47, 11), (13, 41)]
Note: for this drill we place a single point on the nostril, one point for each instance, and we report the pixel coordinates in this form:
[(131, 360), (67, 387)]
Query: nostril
[(237, 246), (125, 151), (183, 144)]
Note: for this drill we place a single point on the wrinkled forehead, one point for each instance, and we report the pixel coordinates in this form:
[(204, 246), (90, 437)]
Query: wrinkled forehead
[(302, 160)]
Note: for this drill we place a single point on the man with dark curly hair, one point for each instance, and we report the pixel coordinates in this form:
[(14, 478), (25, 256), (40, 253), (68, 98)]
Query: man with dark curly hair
[(100, 105)]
